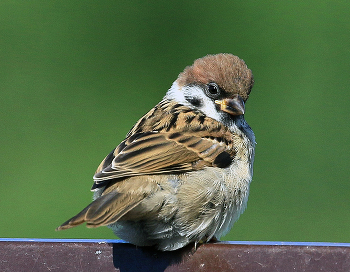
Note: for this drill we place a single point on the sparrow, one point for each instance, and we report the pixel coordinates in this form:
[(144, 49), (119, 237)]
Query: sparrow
[(183, 172)]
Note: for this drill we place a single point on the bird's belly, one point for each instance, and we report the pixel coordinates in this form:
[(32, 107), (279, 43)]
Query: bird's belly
[(192, 207)]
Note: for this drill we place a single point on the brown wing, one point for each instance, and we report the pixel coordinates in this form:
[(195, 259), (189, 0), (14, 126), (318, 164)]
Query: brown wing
[(164, 142), (170, 138), (160, 153)]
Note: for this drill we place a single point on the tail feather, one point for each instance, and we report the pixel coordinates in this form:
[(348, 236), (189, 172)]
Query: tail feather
[(105, 210)]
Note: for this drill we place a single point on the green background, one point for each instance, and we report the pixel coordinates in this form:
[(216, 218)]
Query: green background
[(76, 75)]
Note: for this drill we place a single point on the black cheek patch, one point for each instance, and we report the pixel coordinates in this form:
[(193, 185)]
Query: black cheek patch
[(222, 160), (194, 101)]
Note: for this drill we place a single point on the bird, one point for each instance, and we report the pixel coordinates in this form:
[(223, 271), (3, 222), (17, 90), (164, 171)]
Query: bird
[(182, 174)]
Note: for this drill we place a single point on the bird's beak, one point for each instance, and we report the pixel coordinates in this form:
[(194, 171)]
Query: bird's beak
[(233, 106)]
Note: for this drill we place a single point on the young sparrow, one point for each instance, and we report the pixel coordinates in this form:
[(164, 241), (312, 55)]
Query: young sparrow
[(182, 174)]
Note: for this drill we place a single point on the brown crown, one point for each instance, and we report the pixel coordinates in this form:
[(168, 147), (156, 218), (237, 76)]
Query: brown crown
[(228, 71)]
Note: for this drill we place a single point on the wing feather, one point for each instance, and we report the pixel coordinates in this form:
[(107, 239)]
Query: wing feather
[(157, 147)]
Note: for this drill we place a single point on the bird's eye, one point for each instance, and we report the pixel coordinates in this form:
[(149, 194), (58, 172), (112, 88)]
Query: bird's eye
[(213, 90)]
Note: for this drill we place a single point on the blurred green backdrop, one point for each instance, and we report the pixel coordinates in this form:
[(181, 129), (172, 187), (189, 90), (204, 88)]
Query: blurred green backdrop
[(76, 75)]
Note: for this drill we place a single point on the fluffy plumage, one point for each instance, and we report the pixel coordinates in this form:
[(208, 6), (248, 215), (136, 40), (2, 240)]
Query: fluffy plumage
[(182, 174)]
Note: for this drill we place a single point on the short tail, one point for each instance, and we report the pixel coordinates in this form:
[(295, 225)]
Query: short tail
[(105, 210)]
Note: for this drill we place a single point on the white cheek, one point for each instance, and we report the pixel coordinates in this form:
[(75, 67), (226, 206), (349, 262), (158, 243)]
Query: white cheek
[(175, 93), (209, 109), (179, 95)]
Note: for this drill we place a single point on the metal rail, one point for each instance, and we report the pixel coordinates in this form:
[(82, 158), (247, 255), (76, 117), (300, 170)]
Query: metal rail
[(115, 255)]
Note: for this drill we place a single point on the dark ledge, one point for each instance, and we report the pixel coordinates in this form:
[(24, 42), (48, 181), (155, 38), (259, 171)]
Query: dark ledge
[(115, 255)]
